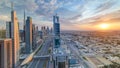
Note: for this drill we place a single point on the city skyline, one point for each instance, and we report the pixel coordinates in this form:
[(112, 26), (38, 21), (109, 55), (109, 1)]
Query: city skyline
[(74, 14), (59, 34)]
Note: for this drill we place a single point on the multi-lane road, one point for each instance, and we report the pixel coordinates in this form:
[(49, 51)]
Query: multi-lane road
[(45, 63), (41, 63), (72, 46), (83, 64)]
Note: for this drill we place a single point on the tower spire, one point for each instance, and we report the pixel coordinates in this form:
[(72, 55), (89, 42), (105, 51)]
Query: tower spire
[(24, 16)]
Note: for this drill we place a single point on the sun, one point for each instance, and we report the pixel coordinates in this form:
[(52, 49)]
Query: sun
[(104, 26)]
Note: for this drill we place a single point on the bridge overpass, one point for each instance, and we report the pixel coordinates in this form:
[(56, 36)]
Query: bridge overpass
[(28, 58), (42, 57)]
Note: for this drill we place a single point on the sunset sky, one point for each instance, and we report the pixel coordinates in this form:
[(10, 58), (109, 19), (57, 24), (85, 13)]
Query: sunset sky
[(74, 14)]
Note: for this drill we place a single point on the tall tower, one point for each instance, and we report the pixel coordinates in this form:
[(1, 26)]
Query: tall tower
[(28, 35), (15, 37), (59, 55), (24, 24), (33, 37), (56, 26)]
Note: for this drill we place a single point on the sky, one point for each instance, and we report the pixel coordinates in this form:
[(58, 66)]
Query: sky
[(74, 14)]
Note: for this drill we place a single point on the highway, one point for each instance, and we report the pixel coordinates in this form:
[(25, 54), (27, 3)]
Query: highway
[(41, 63), (45, 63), (77, 54)]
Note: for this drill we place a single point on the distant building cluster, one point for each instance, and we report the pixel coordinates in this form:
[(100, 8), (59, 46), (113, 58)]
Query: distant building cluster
[(100, 48), (31, 35)]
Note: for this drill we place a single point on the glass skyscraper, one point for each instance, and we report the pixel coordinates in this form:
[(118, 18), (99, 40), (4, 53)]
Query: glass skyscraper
[(15, 38), (28, 35), (56, 26)]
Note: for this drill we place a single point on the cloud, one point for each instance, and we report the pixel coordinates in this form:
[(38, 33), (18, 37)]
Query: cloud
[(70, 11), (29, 5), (107, 18), (46, 8), (105, 6), (93, 10), (4, 18)]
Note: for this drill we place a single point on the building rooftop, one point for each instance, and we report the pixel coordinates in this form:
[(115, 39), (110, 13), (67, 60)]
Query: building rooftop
[(5, 39), (59, 51)]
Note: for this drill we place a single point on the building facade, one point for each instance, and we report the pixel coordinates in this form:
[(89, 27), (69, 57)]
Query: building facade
[(6, 53), (56, 26), (33, 37), (28, 35), (15, 38), (59, 55)]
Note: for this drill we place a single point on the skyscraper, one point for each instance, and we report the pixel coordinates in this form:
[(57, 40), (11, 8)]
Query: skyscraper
[(59, 55), (24, 25), (6, 53), (28, 35), (15, 38), (33, 37), (37, 30), (56, 26), (8, 29)]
